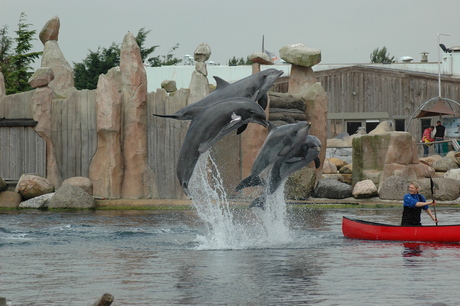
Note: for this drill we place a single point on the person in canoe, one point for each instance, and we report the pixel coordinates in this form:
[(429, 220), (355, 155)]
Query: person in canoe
[(413, 204)]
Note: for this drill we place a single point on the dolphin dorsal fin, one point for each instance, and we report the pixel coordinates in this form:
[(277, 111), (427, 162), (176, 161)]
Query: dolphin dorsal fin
[(220, 83)]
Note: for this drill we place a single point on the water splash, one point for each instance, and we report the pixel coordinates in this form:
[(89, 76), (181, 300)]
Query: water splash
[(235, 228)]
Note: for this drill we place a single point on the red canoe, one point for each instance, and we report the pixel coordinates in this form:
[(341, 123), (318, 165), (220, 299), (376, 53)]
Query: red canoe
[(358, 229)]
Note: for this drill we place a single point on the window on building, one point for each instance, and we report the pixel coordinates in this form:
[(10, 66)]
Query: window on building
[(371, 124), (400, 125), (352, 126)]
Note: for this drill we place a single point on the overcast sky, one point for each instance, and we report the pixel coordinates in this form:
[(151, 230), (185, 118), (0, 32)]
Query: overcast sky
[(346, 31)]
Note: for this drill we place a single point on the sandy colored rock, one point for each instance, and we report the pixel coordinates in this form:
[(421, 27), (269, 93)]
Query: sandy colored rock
[(137, 174), (202, 52), (30, 186), (10, 199), (41, 77), (261, 58), (51, 30)]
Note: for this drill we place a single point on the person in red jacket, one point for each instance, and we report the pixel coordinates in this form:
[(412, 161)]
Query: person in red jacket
[(426, 138)]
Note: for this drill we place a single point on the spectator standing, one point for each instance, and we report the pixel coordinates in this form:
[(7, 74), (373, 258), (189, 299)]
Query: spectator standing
[(426, 139), (439, 136)]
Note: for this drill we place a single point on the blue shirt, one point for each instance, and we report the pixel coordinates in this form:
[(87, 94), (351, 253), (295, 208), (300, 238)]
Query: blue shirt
[(411, 199)]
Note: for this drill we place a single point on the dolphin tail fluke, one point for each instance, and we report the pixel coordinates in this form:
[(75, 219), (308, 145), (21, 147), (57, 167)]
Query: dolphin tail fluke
[(258, 202), (250, 182)]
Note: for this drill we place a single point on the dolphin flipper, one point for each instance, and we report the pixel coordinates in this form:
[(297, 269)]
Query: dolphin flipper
[(317, 162)]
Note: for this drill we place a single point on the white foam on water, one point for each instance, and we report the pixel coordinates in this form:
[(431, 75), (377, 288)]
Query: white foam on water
[(259, 228)]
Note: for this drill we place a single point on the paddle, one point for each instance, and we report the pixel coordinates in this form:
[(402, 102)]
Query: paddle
[(432, 195)]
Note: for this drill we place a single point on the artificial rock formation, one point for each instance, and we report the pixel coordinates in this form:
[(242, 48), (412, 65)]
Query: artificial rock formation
[(137, 177), (199, 85), (303, 82), (106, 168), (392, 153)]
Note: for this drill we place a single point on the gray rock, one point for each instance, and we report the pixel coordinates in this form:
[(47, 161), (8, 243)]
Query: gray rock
[(71, 197), (453, 174), (365, 189), (37, 202), (300, 55), (445, 164), (169, 85), (80, 181), (393, 188), (202, 53), (332, 189)]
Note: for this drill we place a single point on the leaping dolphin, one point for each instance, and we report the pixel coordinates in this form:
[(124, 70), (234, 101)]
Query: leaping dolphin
[(256, 84), (216, 121), (281, 142), (283, 168)]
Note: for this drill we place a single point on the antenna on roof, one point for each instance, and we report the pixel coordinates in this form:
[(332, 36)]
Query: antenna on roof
[(263, 38)]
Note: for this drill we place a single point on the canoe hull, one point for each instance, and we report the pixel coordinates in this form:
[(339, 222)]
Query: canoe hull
[(359, 229)]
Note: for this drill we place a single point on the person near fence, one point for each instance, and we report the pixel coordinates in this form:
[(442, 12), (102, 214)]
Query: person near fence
[(439, 136), (426, 139)]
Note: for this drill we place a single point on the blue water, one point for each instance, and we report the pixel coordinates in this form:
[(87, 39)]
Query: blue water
[(168, 257)]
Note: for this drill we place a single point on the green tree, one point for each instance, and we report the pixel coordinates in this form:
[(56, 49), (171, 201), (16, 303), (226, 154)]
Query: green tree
[(15, 63), (96, 63), (239, 61), (381, 56), (100, 61)]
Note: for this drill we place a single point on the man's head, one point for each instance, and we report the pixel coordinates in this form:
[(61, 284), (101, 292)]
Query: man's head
[(438, 122)]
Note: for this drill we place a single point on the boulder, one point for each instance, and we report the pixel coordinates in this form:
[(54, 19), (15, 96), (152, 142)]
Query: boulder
[(299, 54), (71, 197), (453, 174), (39, 202), (30, 186), (332, 189), (202, 52), (41, 77), (82, 182), (365, 189), (10, 199), (445, 189), (346, 169), (445, 164), (51, 30), (393, 188), (383, 127), (300, 184), (169, 85), (261, 58), (329, 167), (337, 162)]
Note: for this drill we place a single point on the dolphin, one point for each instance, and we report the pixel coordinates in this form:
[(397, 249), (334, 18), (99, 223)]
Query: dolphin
[(283, 168), (256, 84), (216, 121), (281, 142)]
